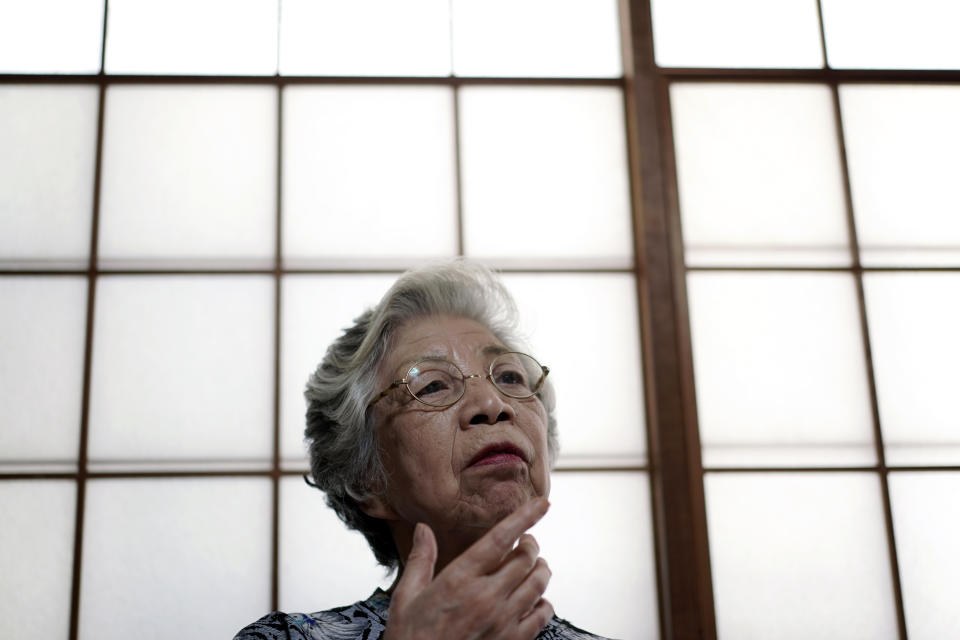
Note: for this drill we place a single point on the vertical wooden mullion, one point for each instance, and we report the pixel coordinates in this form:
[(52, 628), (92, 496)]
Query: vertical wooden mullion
[(633, 168), (455, 86), (275, 474), (458, 168), (882, 470), (857, 269), (92, 272), (676, 478)]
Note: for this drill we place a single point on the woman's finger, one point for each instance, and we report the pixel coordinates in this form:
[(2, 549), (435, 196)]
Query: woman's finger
[(534, 622), (487, 554), (525, 553), (526, 595), (418, 569), (516, 566)]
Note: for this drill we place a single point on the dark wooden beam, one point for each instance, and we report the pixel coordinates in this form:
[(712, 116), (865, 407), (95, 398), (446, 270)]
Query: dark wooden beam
[(676, 476)]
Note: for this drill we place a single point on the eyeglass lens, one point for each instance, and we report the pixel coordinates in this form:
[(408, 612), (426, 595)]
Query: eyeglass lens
[(441, 383)]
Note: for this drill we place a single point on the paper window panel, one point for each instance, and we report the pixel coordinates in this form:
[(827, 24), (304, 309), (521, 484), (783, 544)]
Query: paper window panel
[(865, 34), (902, 145), (182, 372), (51, 36), (316, 310), (175, 558), (544, 176), (194, 37), (780, 370), (597, 538), (913, 319), (799, 556), (759, 175), (189, 176), (36, 553), (926, 519), (536, 38), (369, 176), (48, 134), (365, 38), (584, 327), (736, 33), (42, 324), (323, 564)]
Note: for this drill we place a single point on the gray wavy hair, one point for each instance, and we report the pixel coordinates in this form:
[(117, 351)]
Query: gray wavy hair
[(344, 456)]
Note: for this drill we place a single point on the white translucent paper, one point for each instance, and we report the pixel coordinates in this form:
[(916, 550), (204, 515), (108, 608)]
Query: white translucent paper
[(780, 369), (369, 175), (316, 310), (886, 34), (42, 323), (926, 521), (365, 37), (314, 546), (913, 319), (225, 37), (175, 558), (182, 371), (189, 175), (736, 33), (50, 36), (585, 328), (902, 145), (566, 38), (36, 553), (48, 136), (759, 174), (798, 556), (597, 538), (544, 176)]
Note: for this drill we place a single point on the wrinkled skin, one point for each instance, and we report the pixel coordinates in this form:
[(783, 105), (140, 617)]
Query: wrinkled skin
[(489, 592), (463, 578)]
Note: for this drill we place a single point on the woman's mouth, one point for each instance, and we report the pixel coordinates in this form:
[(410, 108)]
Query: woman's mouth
[(498, 453)]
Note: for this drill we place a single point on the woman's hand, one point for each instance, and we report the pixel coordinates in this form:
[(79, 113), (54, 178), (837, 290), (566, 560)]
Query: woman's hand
[(492, 590)]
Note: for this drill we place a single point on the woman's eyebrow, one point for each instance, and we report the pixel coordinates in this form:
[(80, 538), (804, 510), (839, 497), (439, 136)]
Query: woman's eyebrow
[(494, 350), (430, 355), (489, 350), (410, 362)]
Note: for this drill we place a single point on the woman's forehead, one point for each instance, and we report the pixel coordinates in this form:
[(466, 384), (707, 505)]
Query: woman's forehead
[(449, 337)]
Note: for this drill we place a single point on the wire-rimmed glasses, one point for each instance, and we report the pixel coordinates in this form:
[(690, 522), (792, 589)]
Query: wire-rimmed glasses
[(439, 383)]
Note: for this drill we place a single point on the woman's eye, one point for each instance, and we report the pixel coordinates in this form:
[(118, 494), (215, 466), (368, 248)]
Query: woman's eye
[(435, 386), (512, 378)]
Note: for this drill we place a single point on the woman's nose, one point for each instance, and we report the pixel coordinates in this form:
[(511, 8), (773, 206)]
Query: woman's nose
[(483, 418), (483, 404)]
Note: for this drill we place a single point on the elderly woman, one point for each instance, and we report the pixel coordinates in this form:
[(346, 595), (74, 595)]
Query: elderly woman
[(431, 432)]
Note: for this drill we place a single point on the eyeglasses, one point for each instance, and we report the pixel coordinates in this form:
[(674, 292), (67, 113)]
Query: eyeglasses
[(440, 383)]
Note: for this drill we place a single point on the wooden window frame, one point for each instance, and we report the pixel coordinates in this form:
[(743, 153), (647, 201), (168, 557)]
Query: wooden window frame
[(686, 603)]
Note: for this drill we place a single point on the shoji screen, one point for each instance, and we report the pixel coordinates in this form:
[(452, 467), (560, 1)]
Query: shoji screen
[(816, 170), (197, 196)]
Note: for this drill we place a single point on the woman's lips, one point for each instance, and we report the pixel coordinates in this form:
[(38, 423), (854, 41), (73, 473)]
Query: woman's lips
[(498, 458), (498, 453)]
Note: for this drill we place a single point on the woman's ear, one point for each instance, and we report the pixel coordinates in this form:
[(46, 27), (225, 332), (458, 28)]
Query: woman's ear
[(374, 501), (377, 506)]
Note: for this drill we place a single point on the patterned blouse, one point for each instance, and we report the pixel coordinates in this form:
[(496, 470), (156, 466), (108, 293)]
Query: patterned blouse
[(363, 620)]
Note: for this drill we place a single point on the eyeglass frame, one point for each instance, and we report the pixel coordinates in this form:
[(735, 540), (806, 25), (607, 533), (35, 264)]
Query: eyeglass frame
[(489, 376)]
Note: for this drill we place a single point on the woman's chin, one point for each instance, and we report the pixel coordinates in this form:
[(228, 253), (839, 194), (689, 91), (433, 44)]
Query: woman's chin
[(502, 499)]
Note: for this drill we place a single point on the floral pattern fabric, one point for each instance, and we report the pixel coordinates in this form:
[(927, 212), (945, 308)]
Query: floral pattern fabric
[(365, 620)]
